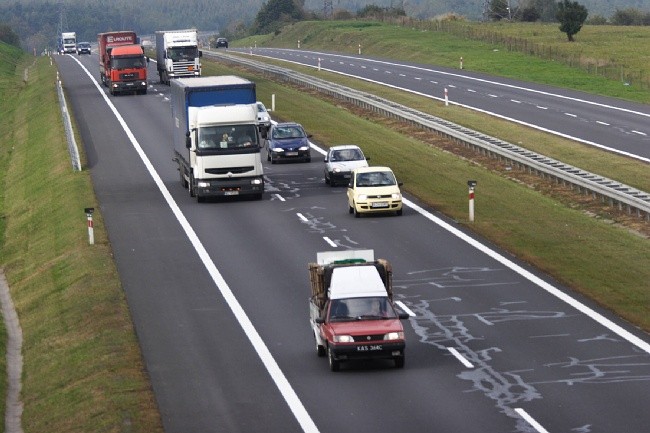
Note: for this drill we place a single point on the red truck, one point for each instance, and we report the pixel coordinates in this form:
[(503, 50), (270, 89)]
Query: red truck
[(351, 308), (122, 63)]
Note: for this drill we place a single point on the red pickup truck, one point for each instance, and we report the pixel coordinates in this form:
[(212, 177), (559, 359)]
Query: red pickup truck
[(352, 314)]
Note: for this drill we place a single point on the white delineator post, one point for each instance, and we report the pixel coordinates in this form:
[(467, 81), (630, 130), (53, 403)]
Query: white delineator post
[(319, 64), (91, 232), (446, 97), (472, 185)]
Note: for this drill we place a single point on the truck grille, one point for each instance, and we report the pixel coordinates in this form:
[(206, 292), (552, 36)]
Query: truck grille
[(129, 76), (184, 68), (233, 170)]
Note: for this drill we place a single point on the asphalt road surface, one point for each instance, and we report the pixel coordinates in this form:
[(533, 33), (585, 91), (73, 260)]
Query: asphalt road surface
[(607, 123), (218, 292)]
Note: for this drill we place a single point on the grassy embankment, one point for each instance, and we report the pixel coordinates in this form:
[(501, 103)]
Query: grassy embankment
[(445, 49), (595, 256), (82, 364)]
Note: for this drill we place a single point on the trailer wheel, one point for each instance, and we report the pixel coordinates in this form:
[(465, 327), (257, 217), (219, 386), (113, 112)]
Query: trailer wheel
[(334, 364)]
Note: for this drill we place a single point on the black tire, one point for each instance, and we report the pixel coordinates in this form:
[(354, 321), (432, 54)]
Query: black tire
[(350, 209), (327, 180), (334, 364), (399, 212), (399, 361), (356, 212), (268, 156), (320, 350)]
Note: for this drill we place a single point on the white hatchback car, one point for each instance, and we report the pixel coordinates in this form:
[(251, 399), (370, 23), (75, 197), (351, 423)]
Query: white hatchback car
[(340, 161), (374, 189)]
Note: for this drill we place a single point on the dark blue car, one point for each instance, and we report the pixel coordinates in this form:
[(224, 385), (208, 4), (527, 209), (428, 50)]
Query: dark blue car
[(287, 141)]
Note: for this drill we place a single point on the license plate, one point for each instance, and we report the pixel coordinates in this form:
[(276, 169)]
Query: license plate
[(291, 153), (369, 348), (231, 193), (379, 204)]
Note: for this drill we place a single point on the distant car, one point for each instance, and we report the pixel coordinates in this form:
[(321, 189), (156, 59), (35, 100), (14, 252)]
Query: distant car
[(263, 116), (83, 48), (374, 189), (222, 42), (340, 161), (288, 141)]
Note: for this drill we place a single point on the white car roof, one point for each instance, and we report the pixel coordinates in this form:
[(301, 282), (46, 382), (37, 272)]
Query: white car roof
[(356, 282), (344, 147)]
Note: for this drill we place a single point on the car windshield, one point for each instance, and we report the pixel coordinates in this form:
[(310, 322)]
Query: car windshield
[(227, 137), (288, 132), (261, 108), (371, 308), (376, 178), (347, 155)]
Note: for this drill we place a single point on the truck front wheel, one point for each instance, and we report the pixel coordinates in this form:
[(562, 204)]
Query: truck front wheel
[(334, 364), (190, 185)]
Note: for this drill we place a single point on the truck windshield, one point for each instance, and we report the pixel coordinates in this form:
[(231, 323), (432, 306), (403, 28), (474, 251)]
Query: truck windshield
[(128, 62), (181, 54), (228, 137), (371, 308)]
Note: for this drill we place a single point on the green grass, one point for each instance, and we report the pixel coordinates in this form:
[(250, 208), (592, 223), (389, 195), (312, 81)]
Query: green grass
[(603, 261), (486, 48), (82, 364)]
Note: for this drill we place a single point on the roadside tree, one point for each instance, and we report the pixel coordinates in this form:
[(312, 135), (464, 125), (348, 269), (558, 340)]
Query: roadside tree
[(571, 16)]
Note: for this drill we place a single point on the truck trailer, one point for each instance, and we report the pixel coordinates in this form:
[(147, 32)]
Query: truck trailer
[(177, 54), (68, 43), (351, 310), (122, 63), (217, 137)]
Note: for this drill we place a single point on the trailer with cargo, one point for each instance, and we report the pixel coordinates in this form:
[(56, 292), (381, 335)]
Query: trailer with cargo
[(351, 309), (217, 137)]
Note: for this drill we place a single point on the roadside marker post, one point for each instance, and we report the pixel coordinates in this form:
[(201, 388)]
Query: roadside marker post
[(91, 234), (461, 63), (319, 64), (446, 98), (472, 185)]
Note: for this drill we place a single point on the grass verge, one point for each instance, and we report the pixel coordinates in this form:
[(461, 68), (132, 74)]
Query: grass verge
[(603, 261), (83, 370)]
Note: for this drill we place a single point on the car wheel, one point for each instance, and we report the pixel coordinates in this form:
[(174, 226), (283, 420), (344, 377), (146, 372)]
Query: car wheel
[(350, 209), (356, 212), (399, 361), (327, 179), (334, 364), (399, 212), (320, 350)]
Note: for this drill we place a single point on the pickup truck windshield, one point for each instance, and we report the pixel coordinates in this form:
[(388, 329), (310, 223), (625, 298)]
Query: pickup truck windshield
[(371, 308)]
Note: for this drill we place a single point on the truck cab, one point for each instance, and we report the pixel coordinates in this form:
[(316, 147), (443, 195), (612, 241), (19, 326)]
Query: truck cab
[(351, 309)]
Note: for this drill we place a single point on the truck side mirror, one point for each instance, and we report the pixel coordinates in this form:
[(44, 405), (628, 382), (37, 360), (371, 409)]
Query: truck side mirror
[(147, 59), (188, 140), (319, 320), (200, 53)]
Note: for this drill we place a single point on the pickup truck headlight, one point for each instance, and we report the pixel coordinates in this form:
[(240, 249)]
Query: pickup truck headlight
[(343, 339), (394, 336), (336, 170), (362, 197), (256, 182), (396, 196), (203, 184)]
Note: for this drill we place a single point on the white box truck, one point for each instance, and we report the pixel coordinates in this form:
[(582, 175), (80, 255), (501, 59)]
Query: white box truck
[(217, 136), (68, 43), (177, 54)]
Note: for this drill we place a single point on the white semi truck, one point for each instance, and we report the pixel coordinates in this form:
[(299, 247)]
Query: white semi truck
[(177, 54), (217, 136)]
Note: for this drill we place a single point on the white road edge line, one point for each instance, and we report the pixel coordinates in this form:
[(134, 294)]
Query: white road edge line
[(405, 309), (460, 357), (499, 116), (329, 241), (283, 385), (530, 420), (302, 217)]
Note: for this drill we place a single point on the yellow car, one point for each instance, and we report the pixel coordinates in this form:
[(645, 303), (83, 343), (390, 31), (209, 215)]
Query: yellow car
[(374, 189)]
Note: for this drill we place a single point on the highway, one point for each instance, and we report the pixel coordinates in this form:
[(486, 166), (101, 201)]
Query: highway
[(218, 293), (606, 123)]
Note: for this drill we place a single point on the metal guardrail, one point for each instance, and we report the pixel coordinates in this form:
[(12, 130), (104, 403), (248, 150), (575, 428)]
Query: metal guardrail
[(616, 193), (67, 125)]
